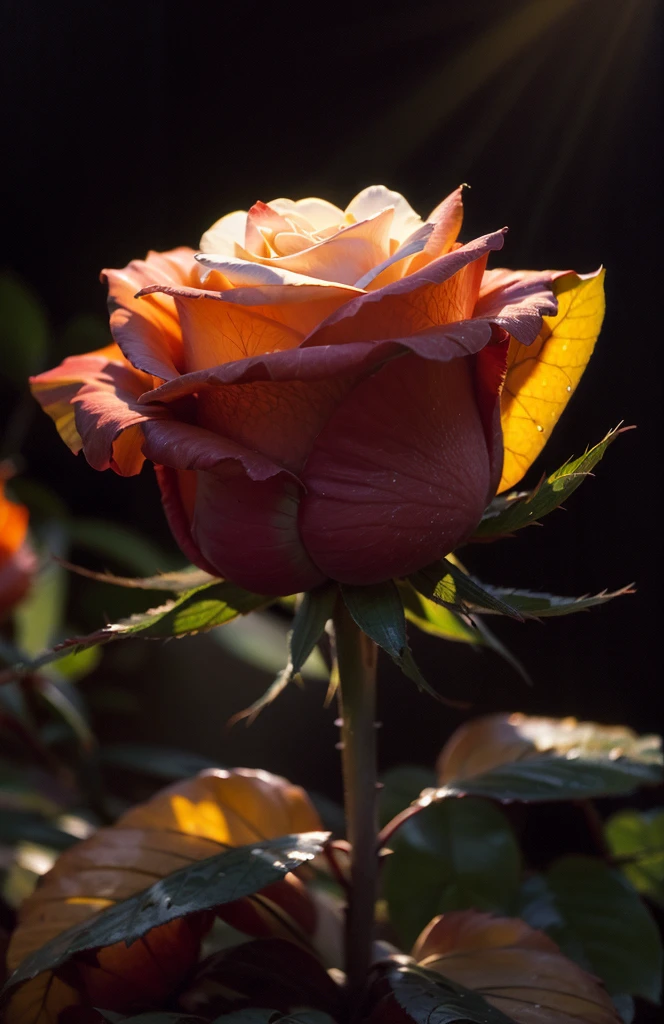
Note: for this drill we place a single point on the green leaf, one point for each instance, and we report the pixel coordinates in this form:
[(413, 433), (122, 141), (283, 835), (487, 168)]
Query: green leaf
[(456, 855), (428, 998), (201, 885), (516, 757), (532, 604), (158, 762), (120, 543), (449, 585), (401, 787), (511, 512), (378, 611), (193, 612), (598, 920), (636, 840), (24, 332), (313, 612)]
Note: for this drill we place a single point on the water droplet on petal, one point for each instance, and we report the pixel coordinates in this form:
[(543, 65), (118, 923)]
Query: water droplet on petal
[(539, 427), (568, 388)]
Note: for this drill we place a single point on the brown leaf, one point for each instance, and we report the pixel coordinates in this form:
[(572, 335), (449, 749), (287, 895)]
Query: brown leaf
[(186, 822), (518, 970), (493, 740)]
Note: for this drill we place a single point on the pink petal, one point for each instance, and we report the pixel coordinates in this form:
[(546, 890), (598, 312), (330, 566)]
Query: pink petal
[(93, 400), (184, 446), (147, 329), (440, 343), (490, 366), (517, 300), (248, 532), (400, 474), (178, 496)]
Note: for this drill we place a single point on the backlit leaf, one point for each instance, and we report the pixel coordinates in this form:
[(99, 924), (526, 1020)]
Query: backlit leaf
[(174, 841), (510, 512), (519, 971), (542, 377), (450, 585), (636, 839), (598, 920), (517, 757), (193, 612)]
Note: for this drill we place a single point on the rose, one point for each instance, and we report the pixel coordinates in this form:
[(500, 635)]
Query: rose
[(17, 559), (318, 389)]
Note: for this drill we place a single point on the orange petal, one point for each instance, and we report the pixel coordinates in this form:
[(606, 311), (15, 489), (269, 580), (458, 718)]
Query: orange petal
[(93, 401), (542, 378), (146, 328)]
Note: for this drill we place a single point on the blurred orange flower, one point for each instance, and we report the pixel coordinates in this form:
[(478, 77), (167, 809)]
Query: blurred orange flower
[(17, 560)]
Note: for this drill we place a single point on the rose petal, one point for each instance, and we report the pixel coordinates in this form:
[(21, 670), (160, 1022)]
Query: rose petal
[(184, 446), (279, 419), (293, 300), (400, 474), (225, 233), (413, 244), (235, 515), (319, 212), (374, 199), (218, 332), (93, 400), (490, 366), (147, 329), (178, 495), (345, 256), (444, 291), (447, 219), (438, 343), (517, 300)]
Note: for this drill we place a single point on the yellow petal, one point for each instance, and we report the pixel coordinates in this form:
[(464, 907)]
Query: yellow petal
[(542, 377)]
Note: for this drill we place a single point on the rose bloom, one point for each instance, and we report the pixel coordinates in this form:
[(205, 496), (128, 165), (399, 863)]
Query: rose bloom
[(319, 389), (17, 560)]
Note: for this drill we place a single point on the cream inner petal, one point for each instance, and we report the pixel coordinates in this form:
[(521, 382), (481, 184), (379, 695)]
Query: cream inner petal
[(225, 233)]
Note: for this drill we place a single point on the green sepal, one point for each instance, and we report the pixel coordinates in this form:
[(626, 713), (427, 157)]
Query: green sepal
[(312, 615), (378, 611), (513, 511)]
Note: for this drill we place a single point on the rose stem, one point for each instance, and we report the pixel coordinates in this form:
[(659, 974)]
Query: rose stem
[(356, 659)]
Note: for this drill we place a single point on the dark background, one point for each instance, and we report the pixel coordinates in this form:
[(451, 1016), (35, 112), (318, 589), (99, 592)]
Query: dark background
[(135, 126)]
